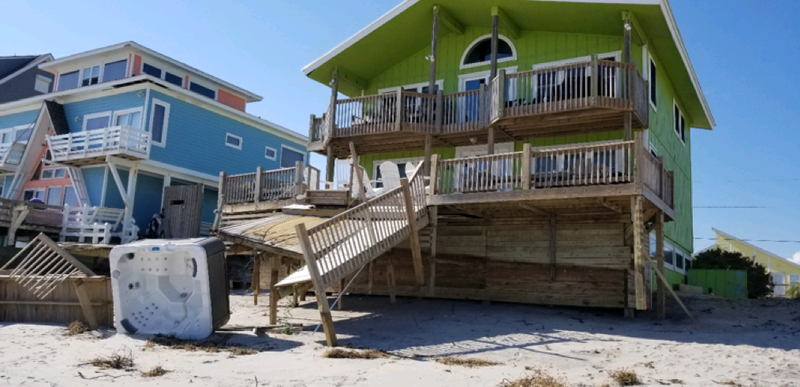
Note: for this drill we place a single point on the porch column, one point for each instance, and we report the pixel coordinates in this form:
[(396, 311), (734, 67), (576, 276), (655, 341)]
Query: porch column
[(331, 125), (626, 52), (431, 87), (492, 76), (660, 290)]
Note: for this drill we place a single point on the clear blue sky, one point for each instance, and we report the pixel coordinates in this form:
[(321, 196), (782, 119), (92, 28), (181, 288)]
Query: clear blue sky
[(746, 55)]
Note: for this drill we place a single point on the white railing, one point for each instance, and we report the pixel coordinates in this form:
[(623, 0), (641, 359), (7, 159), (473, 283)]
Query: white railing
[(93, 143), (11, 153)]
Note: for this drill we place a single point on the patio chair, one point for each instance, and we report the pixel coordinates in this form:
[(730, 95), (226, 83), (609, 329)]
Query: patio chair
[(390, 175)]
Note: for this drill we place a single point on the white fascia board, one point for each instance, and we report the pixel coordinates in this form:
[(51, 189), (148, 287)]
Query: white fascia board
[(249, 96), (33, 63)]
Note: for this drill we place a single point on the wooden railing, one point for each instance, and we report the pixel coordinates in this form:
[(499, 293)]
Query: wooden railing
[(38, 215), (278, 184), (99, 142), (617, 162), (556, 89), (346, 242)]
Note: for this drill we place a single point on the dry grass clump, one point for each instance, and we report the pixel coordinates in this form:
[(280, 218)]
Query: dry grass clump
[(76, 328), (172, 342), (117, 361), (338, 353), (625, 377), (538, 379), (465, 362), (155, 372)]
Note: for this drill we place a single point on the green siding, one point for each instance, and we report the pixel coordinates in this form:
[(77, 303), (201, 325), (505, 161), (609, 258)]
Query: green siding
[(539, 47), (723, 283)]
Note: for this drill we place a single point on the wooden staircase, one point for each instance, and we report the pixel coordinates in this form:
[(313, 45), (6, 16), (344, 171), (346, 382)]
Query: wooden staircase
[(328, 197), (342, 245)]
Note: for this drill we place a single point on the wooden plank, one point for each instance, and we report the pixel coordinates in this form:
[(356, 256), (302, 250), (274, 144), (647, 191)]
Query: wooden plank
[(65, 254), (626, 189), (666, 284), (274, 295), (362, 194), (449, 21), (639, 253), (256, 278), (505, 23), (611, 206), (434, 219), (390, 280), (553, 245), (86, 304), (660, 293), (319, 291), (413, 236)]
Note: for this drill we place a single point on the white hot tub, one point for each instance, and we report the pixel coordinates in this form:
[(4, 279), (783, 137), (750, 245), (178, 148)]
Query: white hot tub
[(170, 287)]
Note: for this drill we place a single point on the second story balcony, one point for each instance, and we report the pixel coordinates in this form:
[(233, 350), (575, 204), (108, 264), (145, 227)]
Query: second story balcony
[(92, 146), (588, 96)]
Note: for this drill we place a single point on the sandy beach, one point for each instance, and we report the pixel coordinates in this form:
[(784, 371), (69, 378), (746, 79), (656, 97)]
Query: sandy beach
[(731, 342)]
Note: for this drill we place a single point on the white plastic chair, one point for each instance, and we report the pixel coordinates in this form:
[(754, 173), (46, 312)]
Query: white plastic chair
[(390, 175)]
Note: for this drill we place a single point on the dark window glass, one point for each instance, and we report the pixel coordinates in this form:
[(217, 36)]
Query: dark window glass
[(68, 81), (269, 153), (235, 141), (173, 79), (482, 51), (115, 70), (151, 70), (98, 122), (289, 157), (202, 90), (679, 260), (91, 76), (653, 82), (159, 114), (668, 255)]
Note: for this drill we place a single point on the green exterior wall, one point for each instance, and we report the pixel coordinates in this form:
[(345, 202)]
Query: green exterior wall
[(723, 283), (535, 47)]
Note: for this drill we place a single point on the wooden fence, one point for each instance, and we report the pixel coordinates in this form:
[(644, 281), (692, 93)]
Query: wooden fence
[(278, 184), (61, 306)]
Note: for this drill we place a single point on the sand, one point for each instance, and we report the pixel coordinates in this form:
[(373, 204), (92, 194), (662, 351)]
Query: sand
[(746, 343)]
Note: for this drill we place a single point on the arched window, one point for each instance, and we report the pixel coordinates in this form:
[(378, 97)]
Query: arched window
[(479, 53)]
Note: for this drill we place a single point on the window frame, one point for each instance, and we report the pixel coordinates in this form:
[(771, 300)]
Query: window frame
[(191, 82), (87, 117), (274, 151), (64, 195), (161, 76), (416, 87), (480, 39), (77, 80), (42, 80), (284, 146), (47, 194), (682, 134), (53, 173), (227, 135), (103, 69), (118, 113), (652, 98), (41, 189), (90, 68), (153, 103)]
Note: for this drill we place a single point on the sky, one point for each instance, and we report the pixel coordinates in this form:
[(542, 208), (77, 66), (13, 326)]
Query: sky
[(745, 53)]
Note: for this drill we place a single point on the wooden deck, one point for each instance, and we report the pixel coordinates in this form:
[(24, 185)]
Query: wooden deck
[(584, 97), (93, 146)]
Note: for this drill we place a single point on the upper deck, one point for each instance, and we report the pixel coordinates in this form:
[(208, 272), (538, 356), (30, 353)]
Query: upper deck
[(558, 100)]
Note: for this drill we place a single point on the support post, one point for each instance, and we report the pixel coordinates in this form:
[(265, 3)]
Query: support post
[(432, 90), (495, 28), (626, 80), (259, 183), (220, 201), (86, 304), (434, 218), (595, 86), (362, 194), (298, 178), (660, 291), (413, 235), (639, 255), (255, 279), (526, 166), (390, 279), (342, 285), (329, 164), (552, 247), (332, 106), (319, 290), (399, 116), (434, 174), (274, 294)]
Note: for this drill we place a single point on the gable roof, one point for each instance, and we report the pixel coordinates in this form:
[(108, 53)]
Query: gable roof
[(754, 247), (406, 29), (249, 96), (11, 66)]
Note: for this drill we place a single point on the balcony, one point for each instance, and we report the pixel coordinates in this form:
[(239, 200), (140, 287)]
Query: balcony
[(11, 156), (560, 180), (579, 97), (92, 146)]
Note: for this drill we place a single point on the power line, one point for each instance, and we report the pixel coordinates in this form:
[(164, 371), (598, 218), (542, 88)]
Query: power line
[(749, 240), (745, 181), (739, 207)]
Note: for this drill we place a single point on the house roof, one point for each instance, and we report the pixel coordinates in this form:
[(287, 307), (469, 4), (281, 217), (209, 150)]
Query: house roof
[(406, 30), (249, 96), (11, 66), (754, 247)]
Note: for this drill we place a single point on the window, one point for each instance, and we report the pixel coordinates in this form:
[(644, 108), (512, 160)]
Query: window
[(151, 70), (202, 90), (91, 76), (159, 121), (653, 84), (679, 123), (653, 151), (270, 153), (679, 260), (290, 156), (97, 121), (31, 194), (653, 244), (115, 70), (68, 81), (42, 84), (173, 79), (233, 141), (70, 198), (132, 118), (479, 53), (54, 196), (54, 173), (668, 255), (794, 279)]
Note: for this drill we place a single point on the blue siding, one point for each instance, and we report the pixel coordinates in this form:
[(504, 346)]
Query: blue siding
[(147, 201), (93, 178), (23, 118), (209, 204), (101, 104), (113, 198), (196, 140)]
